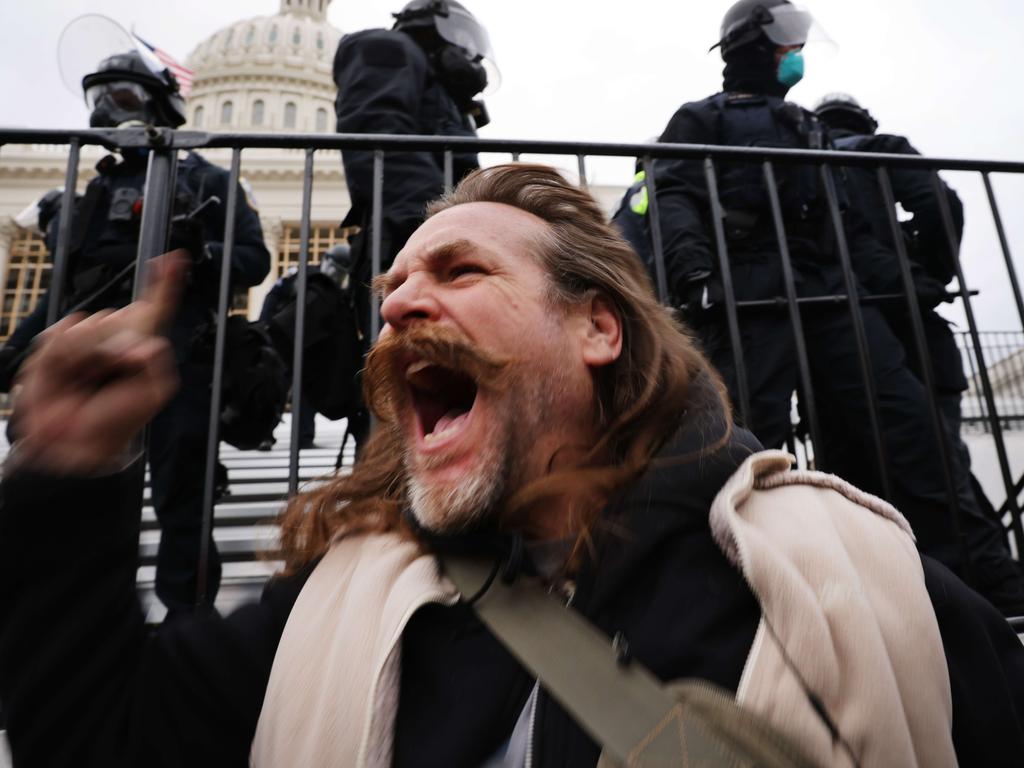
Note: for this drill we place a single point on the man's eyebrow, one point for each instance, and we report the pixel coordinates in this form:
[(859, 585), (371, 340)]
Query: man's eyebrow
[(435, 259)]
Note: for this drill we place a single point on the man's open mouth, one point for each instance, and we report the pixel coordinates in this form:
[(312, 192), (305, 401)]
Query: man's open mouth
[(442, 398)]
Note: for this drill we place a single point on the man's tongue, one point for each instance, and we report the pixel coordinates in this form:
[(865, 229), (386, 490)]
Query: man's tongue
[(453, 418)]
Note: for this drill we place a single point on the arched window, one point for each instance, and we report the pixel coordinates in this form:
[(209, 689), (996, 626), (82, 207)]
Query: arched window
[(273, 34), (227, 38), (296, 36), (319, 42), (226, 111), (197, 117), (321, 120), (250, 35), (290, 112), (257, 112)]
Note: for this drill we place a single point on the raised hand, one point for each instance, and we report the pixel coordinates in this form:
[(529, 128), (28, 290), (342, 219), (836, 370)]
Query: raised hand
[(93, 382)]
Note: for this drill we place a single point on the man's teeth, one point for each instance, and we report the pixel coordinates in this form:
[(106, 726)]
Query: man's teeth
[(416, 367)]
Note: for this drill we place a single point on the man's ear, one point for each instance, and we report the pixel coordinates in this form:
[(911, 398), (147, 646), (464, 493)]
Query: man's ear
[(602, 331)]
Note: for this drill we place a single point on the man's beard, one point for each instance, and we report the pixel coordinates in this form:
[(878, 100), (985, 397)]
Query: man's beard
[(517, 405)]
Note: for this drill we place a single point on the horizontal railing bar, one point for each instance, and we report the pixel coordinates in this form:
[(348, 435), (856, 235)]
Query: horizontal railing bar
[(138, 137)]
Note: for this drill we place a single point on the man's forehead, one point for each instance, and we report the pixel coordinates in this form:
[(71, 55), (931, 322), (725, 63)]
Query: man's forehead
[(491, 228)]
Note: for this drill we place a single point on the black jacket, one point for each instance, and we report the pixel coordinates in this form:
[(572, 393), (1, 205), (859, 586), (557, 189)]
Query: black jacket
[(751, 119), (84, 682), (387, 84)]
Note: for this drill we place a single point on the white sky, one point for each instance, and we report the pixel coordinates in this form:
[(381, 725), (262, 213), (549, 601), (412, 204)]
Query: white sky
[(946, 74)]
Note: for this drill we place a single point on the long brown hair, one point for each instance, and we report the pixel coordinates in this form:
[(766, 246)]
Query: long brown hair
[(642, 397)]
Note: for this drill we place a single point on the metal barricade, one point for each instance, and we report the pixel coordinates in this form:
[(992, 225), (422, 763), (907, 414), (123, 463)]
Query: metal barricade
[(995, 405)]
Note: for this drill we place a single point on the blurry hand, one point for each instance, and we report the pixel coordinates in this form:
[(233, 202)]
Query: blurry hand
[(95, 381)]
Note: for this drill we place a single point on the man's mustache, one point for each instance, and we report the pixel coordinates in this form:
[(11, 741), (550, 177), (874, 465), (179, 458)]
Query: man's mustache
[(385, 387)]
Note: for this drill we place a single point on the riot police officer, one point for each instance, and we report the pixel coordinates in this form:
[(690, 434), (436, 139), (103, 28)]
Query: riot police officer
[(131, 89), (852, 128), (761, 43), (421, 77)]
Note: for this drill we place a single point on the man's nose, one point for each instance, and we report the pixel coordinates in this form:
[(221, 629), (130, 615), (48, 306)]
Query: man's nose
[(413, 300)]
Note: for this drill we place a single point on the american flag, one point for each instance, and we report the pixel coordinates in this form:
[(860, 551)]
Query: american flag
[(181, 73)]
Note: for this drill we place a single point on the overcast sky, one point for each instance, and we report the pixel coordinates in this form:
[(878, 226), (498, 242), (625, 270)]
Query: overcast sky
[(946, 74)]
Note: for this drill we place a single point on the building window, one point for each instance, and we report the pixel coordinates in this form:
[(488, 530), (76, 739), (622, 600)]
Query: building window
[(321, 120), (290, 111), (227, 38), (28, 278), (257, 112), (273, 34), (319, 42), (320, 239), (250, 35), (296, 36), (197, 117), (226, 110)]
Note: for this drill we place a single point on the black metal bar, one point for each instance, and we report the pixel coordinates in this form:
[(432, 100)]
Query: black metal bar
[(126, 137), (859, 334), (923, 353), (300, 322), (581, 164), (449, 171), (968, 352), (1004, 244), (515, 156), (725, 272), (158, 200), (661, 281), (803, 364), (376, 218), (986, 384), (60, 256), (780, 302), (216, 390)]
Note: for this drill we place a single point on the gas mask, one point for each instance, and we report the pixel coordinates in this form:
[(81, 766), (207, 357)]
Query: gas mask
[(119, 104), (463, 77)]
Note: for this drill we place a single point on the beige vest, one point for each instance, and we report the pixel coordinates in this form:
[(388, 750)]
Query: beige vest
[(835, 571)]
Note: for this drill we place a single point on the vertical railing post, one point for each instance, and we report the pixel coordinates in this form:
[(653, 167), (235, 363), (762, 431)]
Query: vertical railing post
[(924, 356), (581, 164), (376, 221), (217, 387), (300, 322), (986, 383), (60, 257), (449, 171), (859, 334), (725, 271), (158, 202), (803, 364), (1011, 270), (661, 281)]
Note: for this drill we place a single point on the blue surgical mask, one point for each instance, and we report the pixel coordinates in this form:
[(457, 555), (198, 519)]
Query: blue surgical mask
[(791, 68)]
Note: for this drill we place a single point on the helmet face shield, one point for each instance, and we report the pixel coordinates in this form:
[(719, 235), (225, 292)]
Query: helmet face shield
[(791, 25), (124, 94), (458, 27)]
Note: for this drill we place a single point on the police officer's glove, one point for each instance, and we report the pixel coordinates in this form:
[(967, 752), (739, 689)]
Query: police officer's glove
[(930, 291), (187, 233), (701, 294)]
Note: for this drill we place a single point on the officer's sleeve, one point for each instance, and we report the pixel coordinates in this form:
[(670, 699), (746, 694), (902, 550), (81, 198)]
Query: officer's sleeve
[(914, 189), (250, 259), (83, 681), (31, 325), (381, 78), (683, 203), (985, 659)]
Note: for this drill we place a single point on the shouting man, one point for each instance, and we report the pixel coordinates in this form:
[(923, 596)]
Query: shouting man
[(540, 413)]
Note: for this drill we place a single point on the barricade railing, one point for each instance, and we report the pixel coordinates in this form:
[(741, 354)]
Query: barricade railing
[(163, 146)]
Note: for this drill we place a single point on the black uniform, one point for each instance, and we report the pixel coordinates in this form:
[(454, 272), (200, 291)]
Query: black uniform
[(104, 240), (752, 112), (991, 567)]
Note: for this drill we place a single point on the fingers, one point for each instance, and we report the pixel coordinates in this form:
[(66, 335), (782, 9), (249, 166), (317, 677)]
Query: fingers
[(163, 289)]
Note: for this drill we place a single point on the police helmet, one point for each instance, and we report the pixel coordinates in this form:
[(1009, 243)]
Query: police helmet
[(452, 22), (779, 21), (841, 110), (124, 87), (337, 258)]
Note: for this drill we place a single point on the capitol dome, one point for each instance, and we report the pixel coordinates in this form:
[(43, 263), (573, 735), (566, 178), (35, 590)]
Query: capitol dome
[(268, 73)]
